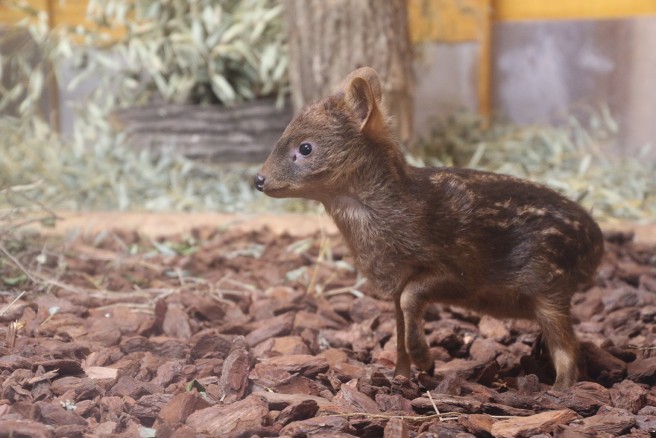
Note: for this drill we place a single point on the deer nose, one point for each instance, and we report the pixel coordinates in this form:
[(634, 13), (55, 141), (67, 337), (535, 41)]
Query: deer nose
[(259, 182)]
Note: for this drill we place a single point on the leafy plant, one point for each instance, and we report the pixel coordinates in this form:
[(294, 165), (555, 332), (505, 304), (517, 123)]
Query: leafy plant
[(197, 51), (222, 50), (107, 175), (200, 51)]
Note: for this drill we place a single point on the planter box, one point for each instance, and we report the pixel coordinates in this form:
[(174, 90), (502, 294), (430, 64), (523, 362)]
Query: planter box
[(244, 133)]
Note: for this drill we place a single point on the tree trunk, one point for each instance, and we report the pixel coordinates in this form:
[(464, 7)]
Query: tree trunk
[(330, 38)]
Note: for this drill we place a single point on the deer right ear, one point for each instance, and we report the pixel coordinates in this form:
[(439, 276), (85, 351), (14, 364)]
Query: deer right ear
[(364, 102)]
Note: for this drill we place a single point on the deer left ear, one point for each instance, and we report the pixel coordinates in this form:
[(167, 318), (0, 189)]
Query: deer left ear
[(370, 76), (361, 97)]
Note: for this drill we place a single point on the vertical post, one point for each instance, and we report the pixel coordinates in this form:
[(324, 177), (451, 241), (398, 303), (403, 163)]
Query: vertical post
[(485, 60), (53, 90)]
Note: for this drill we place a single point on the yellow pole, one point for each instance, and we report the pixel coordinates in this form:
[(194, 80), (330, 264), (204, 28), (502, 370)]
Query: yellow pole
[(511, 10), (53, 90), (485, 61)]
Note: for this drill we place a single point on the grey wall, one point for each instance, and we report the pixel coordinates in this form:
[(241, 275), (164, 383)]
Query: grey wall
[(446, 81), (640, 115), (544, 69)]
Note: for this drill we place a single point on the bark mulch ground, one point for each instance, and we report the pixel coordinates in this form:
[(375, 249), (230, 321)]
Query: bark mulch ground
[(226, 333)]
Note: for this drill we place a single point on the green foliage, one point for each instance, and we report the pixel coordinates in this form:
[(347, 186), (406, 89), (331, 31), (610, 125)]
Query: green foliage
[(14, 281), (222, 51), (196, 51), (201, 51), (108, 176)]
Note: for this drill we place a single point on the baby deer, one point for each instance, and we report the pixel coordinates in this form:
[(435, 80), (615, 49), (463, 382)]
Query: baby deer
[(492, 243)]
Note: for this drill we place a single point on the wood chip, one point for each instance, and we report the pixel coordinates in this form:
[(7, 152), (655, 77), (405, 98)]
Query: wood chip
[(643, 370), (396, 428), (301, 410), (228, 420), (609, 420), (352, 400), (544, 422), (316, 426), (304, 364), (629, 395), (234, 376), (178, 408), (101, 373)]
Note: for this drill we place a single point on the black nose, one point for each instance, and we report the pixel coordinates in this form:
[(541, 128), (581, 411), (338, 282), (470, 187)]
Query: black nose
[(259, 182)]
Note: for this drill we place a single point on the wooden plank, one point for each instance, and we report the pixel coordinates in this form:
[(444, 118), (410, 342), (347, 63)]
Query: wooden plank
[(68, 13), (71, 13), (455, 21), (515, 10), (448, 21), (74, 12), (243, 133), (12, 15)]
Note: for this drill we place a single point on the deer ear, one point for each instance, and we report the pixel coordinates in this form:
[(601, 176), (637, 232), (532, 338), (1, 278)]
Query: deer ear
[(370, 76), (364, 100)]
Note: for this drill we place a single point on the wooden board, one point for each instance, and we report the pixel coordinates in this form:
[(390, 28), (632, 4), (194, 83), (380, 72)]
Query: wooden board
[(244, 133), (513, 10)]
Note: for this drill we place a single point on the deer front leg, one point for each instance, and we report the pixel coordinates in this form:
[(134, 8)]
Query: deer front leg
[(402, 358), (412, 303)]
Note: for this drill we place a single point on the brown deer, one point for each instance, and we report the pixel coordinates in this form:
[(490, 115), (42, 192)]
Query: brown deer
[(493, 243)]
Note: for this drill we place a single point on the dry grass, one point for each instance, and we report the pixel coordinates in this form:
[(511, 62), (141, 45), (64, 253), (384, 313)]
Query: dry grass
[(569, 158), (44, 170), (104, 176)]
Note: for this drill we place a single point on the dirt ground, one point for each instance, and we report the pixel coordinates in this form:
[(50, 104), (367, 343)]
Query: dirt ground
[(225, 327), (163, 224)]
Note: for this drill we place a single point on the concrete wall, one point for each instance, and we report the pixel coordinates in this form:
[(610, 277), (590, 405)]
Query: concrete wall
[(445, 81), (544, 69), (640, 114)]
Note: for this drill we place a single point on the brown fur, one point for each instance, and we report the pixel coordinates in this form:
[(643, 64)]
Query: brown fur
[(493, 243)]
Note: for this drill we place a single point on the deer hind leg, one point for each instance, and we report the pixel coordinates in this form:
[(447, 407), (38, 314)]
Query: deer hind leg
[(554, 319)]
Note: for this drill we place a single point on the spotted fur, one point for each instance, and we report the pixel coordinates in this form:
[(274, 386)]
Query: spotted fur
[(493, 243)]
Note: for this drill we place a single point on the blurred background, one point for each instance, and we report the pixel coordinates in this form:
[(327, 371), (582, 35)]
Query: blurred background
[(146, 105)]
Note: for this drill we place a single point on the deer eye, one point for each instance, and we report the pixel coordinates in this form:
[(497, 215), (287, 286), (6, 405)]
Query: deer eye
[(305, 149)]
